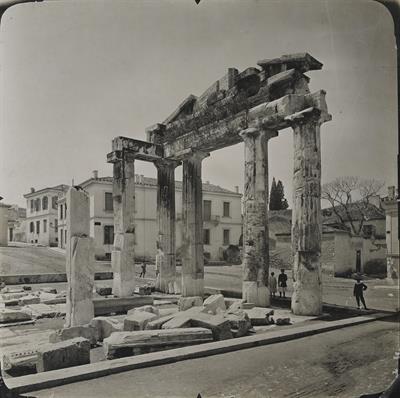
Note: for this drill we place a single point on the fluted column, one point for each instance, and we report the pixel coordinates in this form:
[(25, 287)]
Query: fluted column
[(192, 239), (306, 217), (166, 225), (123, 254), (255, 207)]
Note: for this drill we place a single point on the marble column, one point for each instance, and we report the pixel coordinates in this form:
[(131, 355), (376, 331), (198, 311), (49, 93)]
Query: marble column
[(79, 259), (166, 225), (255, 207), (306, 217), (192, 239), (123, 254)]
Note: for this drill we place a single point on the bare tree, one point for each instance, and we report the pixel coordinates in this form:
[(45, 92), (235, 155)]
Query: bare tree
[(350, 200)]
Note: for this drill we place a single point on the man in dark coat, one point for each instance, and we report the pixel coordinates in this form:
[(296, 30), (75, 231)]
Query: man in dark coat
[(358, 292)]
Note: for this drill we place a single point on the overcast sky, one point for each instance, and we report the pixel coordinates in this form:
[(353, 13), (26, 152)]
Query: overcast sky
[(75, 74)]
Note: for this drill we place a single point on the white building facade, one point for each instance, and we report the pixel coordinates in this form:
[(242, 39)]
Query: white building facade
[(41, 215), (222, 217)]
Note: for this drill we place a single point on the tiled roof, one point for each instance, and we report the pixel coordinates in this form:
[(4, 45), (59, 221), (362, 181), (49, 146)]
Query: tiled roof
[(207, 187)]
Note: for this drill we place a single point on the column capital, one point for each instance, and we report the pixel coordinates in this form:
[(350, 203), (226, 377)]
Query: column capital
[(308, 115), (192, 154), (166, 163), (254, 132)]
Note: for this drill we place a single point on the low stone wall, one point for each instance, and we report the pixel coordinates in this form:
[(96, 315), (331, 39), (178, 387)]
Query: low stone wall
[(47, 278)]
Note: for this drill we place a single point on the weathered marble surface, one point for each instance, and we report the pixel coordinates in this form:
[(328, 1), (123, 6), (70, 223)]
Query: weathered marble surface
[(123, 253), (166, 257), (306, 219), (192, 237), (255, 226), (80, 272)]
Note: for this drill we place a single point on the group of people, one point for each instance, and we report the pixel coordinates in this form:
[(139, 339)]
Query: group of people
[(280, 285)]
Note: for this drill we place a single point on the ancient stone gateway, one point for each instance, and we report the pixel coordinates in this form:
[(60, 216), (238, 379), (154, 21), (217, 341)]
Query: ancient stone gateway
[(251, 107)]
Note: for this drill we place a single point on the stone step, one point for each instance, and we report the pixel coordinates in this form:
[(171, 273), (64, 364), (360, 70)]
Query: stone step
[(121, 344)]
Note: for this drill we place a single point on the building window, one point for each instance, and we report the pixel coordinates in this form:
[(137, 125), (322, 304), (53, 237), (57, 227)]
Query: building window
[(61, 212), (54, 200), (55, 225), (226, 237), (45, 203), (206, 210), (108, 201), (38, 227), (61, 236), (206, 236), (37, 204), (226, 209), (44, 226), (32, 205), (65, 236), (65, 210), (31, 227), (108, 234)]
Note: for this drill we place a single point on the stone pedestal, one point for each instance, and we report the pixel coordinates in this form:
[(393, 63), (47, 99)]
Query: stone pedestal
[(192, 239), (255, 226), (166, 259), (80, 260), (123, 253), (306, 217)]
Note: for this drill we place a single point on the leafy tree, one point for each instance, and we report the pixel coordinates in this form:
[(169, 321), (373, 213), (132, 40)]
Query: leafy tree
[(277, 199)]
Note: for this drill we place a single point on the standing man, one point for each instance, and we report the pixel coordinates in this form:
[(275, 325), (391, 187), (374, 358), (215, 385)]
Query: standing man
[(358, 292), (272, 284), (282, 283)]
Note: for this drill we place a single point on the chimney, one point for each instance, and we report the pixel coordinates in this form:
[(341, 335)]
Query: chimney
[(237, 188), (32, 190), (391, 192), (95, 174)]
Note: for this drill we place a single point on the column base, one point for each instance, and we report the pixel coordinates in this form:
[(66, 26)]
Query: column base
[(306, 301), (256, 293), (123, 265), (192, 287)]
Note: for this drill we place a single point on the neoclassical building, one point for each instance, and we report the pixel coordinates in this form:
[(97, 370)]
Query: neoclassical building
[(221, 209)]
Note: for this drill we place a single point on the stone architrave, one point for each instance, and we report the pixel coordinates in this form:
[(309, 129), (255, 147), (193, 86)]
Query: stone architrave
[(306, 218), (80, 260), (123, 253), (255, 206), (192, 235), (166, 257)]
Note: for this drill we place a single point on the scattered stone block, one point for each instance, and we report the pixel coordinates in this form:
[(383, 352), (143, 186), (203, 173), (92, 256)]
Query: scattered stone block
[(13, 295), (44, 311), (86, 331), (138, 320), (104, 290), (162, 304), (144, 290), (52, 290), (133, 343), (52, 298), (180, 321), (64, 354), (146, 308), (185, 303), (239, 322), (283, 321), (168, 311), (29, 299), (27, 288), (215, 302), (259, 316), (158, 323), (8, 315), (22, 362), (220, 326), (105, 326), (10, 303)]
